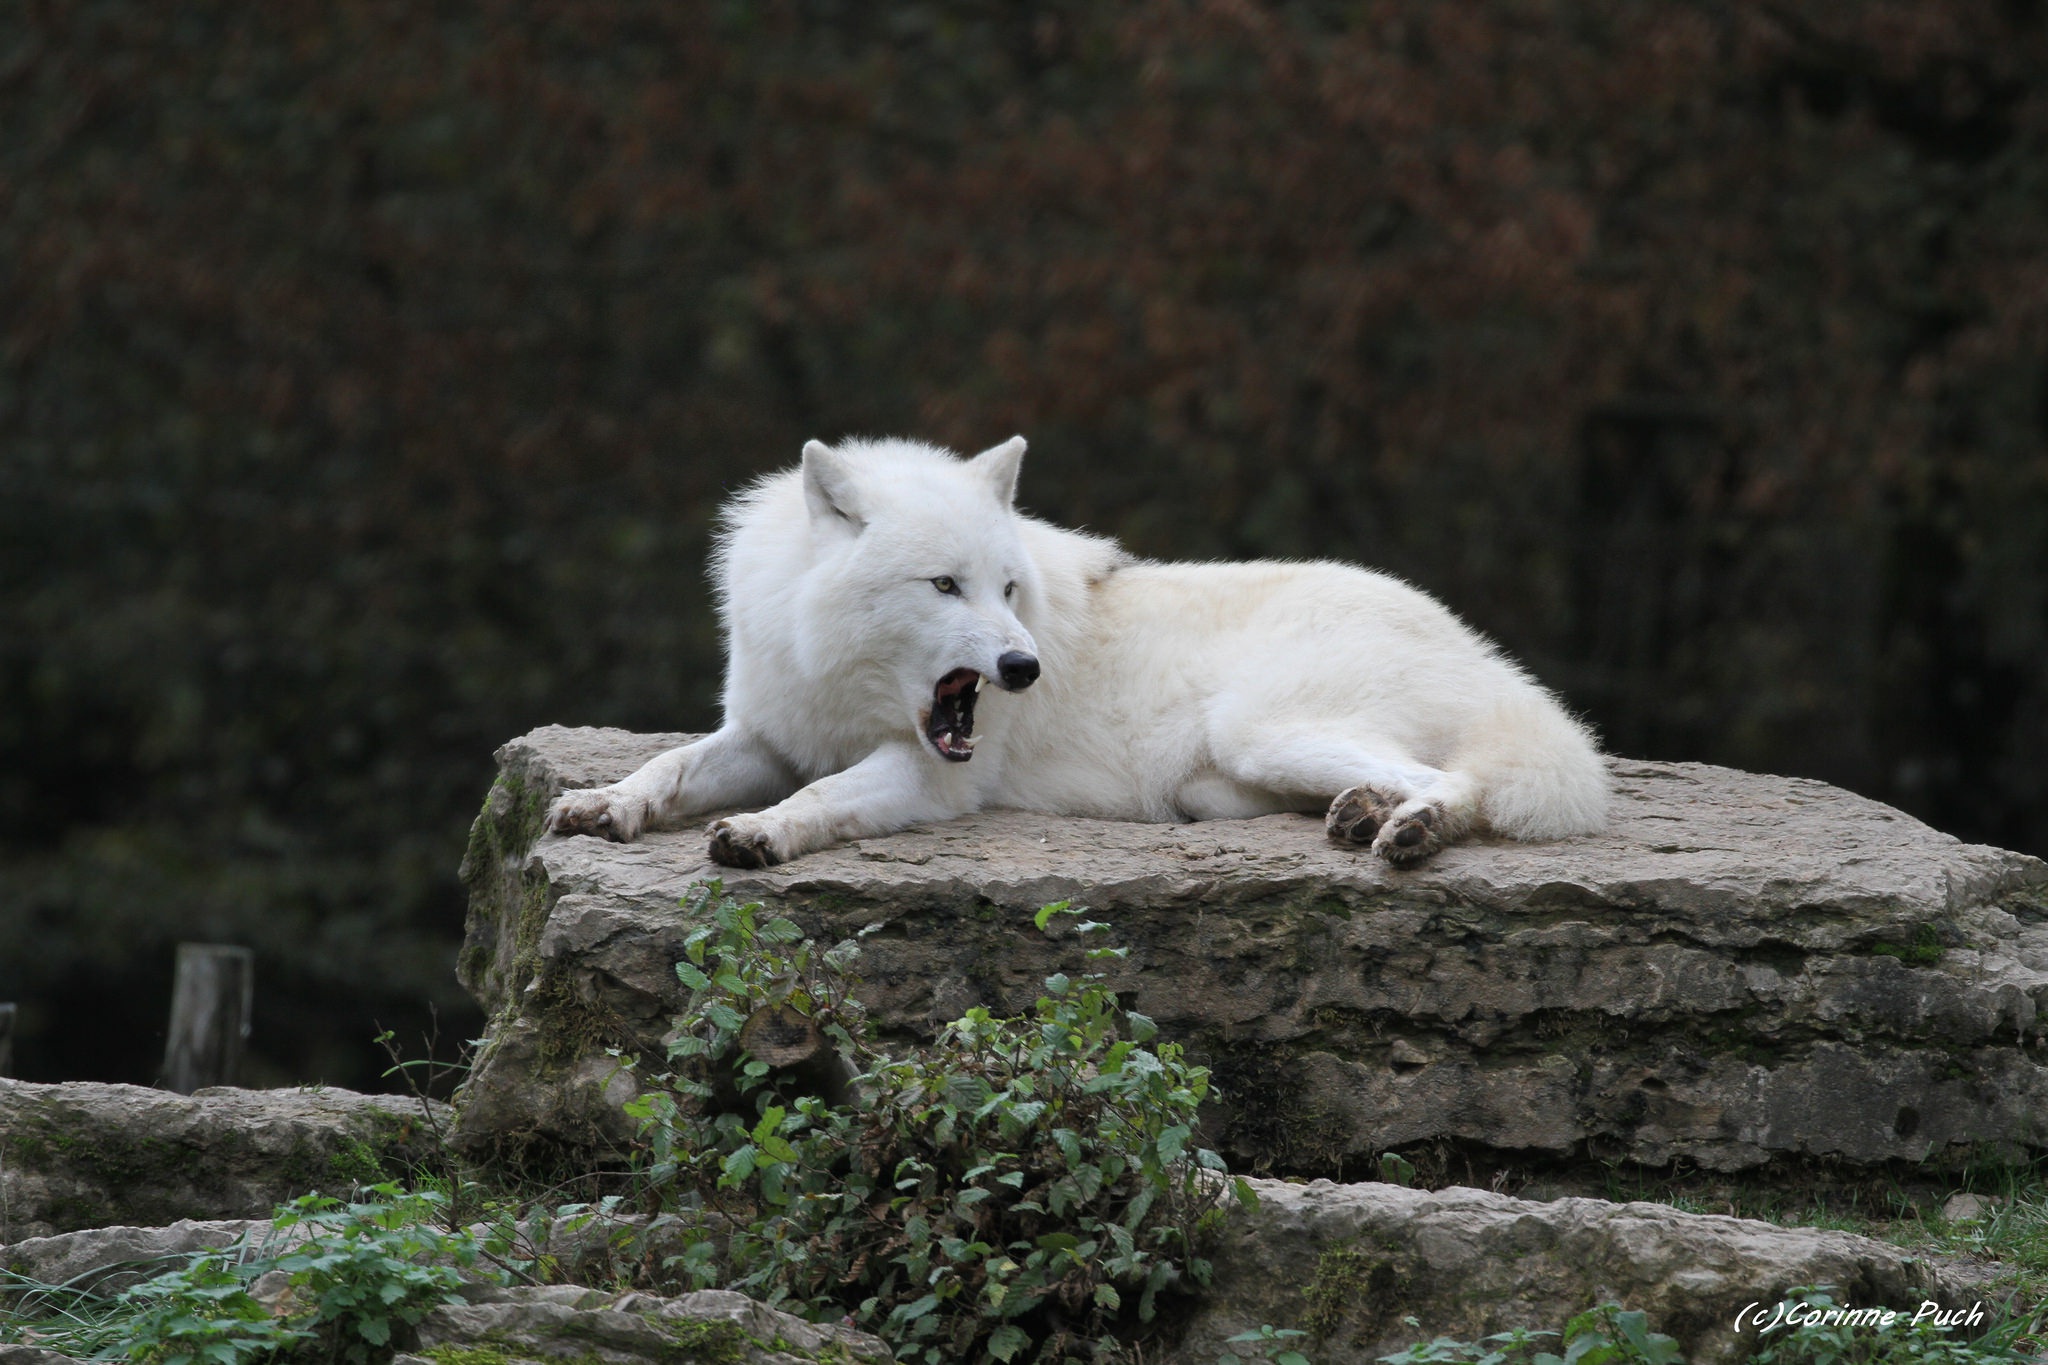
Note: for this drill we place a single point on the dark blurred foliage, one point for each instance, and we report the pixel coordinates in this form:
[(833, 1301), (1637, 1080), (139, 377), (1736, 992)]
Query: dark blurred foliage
[(369, 373)]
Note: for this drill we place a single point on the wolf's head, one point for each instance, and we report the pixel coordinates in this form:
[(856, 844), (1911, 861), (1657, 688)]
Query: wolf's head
[(920, 583)]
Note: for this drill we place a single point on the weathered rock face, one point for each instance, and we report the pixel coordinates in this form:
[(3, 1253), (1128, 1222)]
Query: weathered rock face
[(108, 1260), (542, 1324), (566, 1321), (32, 1355), (1349, 1262), (81, 1155), (1740, 969)]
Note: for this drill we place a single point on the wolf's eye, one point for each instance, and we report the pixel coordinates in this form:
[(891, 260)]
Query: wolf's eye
[(1009, 590), (945, 584)]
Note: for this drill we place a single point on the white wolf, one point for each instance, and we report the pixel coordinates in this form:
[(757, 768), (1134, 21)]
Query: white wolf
[(868, 595)]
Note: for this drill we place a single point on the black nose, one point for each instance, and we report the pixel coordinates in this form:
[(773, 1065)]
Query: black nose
[(1018, 670)]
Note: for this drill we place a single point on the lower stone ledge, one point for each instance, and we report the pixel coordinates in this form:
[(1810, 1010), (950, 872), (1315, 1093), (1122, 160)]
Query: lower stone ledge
[(1349, 1263)]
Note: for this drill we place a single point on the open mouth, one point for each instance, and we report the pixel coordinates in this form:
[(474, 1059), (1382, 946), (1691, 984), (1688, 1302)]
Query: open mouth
[(951, 727)]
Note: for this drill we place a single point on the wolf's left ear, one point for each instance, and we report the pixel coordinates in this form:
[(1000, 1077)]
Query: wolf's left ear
[(999, 465)]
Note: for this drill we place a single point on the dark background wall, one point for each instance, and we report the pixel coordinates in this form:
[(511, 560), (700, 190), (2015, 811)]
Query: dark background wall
[(370, 370)]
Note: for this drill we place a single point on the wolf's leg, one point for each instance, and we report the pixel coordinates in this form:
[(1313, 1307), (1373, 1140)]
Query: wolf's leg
[(1405, 810), (892, 787), (729, 768)]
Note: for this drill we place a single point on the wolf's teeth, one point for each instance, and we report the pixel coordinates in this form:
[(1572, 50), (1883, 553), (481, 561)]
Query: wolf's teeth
[(975, 686)]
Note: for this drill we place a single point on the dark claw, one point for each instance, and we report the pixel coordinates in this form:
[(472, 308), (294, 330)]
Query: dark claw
[(728, 852)]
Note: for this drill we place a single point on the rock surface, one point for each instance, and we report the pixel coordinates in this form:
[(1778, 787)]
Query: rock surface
[(542, 1324), (82, 1155), (549, 1324), (1741, 970), (109, 1259), (1349, 1262)]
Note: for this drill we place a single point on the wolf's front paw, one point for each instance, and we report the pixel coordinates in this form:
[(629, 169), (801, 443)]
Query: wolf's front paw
[(1415, 831), (605, 812), (738, 841), (1356, 815)]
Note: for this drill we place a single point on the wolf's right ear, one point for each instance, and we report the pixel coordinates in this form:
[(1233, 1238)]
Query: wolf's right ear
[(828, 487), (998, 464)]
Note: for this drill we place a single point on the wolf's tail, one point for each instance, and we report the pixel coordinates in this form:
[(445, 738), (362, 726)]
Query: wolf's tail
[(1538, 772)]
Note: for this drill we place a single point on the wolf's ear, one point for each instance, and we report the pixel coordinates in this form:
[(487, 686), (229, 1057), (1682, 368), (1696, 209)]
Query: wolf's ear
[(999, 464), (828, 487)]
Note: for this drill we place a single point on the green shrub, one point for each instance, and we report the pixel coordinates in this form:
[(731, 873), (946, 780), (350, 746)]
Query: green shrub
[(1604, 1335), (1023, 1189), (201, 1314), (367, 1271), (1265, 1343), (373, 1267)]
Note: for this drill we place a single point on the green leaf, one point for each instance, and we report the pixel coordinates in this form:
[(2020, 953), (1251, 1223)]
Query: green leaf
[(968, 1092), (691, 977), (1007, 1340), (1045, 913), (1141, 1204), (771, 1122)]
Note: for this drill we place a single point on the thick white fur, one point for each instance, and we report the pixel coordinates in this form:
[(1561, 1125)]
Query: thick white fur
[(1168, 691)]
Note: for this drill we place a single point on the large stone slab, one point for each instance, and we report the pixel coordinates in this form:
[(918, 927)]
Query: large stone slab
[(571, 1323), (83, 1155), (1350, 1262), (107, 1260), (1742, 970)]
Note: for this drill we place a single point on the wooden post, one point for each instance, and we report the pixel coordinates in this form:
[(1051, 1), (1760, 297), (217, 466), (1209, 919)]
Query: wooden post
[(210, 1003), (792, 1045), (6, 1040)]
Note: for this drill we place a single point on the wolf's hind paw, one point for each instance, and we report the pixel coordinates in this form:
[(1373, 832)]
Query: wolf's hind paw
[(1356, 815), (732, 846), (1416, 831)]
